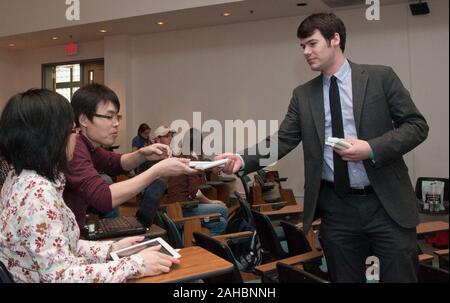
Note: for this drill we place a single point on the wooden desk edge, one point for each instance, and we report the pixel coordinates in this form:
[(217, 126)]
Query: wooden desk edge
[(186, 273), (441, 252), (431, 227), (160, 278), (286, 210), (425, 257), (197, 217), (241, 234), (261, 269)]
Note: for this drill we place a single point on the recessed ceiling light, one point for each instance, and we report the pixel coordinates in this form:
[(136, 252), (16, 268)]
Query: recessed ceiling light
[(160, 23), (103, 31), (55, 38), (302, 4), (11, 45), (226, 14)]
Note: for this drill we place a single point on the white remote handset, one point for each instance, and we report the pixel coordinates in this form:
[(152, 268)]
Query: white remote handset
[(134, 249), (203, 165), (337, 143), (344, 144)]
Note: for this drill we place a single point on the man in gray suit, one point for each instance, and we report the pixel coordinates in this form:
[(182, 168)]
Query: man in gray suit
[(363, 194)]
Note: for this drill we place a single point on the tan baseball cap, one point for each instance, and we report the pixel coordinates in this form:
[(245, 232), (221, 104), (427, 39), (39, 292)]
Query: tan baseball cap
[(162, 130)]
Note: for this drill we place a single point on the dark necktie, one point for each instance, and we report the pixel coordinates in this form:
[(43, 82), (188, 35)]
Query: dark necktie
[(341, 178)]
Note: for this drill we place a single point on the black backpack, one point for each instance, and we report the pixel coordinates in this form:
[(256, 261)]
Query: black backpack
[(251, 255), (248, 253)]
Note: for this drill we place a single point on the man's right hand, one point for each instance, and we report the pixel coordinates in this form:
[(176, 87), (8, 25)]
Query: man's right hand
[(156, 151), (233, 166)]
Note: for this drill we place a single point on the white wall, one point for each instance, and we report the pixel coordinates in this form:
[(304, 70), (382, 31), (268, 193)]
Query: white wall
[(6, 76), (240, 71), (118, 77), (429, 54)]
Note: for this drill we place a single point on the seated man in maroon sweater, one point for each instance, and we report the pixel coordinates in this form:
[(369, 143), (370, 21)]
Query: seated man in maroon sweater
[(96, 109)]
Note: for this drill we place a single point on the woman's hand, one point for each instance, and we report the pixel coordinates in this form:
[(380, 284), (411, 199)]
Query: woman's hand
[(126, 242), (155, 262)]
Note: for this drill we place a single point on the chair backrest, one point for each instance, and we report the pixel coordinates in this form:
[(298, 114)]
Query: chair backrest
[(293, 274), (262, 173), (443, 262), (247, 213), (430, 274), (222, 250), (269, 175), (174, 210), (5, 275), (245, 180), (421, 179), (267, 236), (173, 233), (240, 219), (158, 218), (296, 240), (270, 191)]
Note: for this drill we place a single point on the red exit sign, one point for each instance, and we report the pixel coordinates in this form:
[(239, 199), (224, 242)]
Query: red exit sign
[(71, 49)]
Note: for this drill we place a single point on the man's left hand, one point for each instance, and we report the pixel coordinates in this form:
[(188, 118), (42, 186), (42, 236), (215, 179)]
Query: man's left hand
[(359, 151), (156, 151)]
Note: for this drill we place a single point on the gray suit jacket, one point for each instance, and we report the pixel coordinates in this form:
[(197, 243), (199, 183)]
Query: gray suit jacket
[(385, 116)]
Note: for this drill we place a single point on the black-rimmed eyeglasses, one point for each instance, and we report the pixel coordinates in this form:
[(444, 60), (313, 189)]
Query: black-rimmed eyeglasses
[(113, 117)]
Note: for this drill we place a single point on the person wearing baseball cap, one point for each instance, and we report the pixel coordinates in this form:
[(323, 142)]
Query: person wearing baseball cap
[(164, 134)]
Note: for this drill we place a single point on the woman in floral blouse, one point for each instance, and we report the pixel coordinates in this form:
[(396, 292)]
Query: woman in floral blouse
[(39, 237)]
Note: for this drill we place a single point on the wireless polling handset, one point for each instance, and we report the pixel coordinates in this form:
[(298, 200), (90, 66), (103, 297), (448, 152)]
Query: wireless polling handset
[(203, 165), (337, 143)]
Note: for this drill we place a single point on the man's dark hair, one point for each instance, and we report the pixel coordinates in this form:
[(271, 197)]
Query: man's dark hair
[(34, 131), (142, 128), (327, 23), (86, 99)]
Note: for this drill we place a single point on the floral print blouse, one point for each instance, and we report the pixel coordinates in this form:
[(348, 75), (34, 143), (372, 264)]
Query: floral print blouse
[(39, 237)]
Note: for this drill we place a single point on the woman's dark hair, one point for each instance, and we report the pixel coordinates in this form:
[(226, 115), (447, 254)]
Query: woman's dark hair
[(86, 99), (34, 131), (142, 128), (327, 23)]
